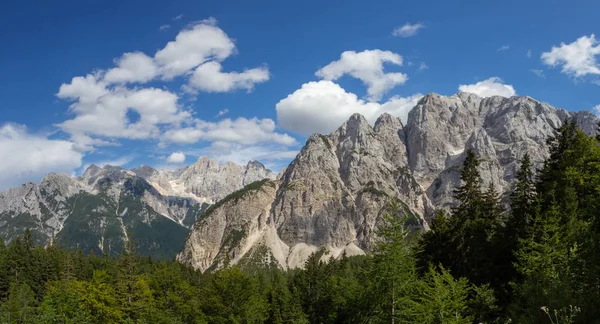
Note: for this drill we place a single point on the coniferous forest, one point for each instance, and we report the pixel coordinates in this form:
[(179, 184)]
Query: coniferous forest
[(530, 257)]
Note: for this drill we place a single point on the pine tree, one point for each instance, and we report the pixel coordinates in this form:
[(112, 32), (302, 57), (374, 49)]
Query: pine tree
[(468, 238), (523, 202), (394, 273), (19, 307)]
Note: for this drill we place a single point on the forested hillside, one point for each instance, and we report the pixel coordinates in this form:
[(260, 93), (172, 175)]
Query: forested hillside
[(535, 262)]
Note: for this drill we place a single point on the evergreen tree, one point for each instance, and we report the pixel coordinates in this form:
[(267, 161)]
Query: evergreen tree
[(523, 202), (20, 305), (394, 277)]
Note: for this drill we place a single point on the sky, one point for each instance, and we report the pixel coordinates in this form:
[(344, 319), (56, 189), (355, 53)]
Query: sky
[(161, 83)]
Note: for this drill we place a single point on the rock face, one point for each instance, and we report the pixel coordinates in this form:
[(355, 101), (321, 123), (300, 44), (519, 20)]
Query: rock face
[(334, 192), (105, 206), (206, 180)]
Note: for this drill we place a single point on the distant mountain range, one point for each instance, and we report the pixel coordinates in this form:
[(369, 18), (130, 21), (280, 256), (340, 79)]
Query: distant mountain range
[(106, 206)]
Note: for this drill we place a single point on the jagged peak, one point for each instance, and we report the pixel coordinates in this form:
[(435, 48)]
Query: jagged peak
[(91, 171), (387, 119), (256, 164), (53, 176), (354, 123), (205, 160)]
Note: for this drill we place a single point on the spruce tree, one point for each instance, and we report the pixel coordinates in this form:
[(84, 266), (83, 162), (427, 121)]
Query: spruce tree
[(523, 201)]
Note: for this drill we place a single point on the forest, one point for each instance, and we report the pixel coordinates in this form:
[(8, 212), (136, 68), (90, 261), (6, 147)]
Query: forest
[(529, 257)]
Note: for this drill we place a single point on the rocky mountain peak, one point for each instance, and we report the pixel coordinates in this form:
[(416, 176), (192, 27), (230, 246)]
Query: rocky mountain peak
[(91, 171), (334, 192)]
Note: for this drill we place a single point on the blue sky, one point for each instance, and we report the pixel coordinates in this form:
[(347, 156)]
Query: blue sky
[(163, 82)]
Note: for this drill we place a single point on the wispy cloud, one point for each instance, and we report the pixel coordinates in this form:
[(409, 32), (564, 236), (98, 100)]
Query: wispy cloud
[(178, 17), (529, 53), (503, 48), (222, 112), (423, 66), (538, 72), (408, 30), (164, 27)]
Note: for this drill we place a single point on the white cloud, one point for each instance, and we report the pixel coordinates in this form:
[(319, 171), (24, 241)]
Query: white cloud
[(28, 157), (493, 86), (423, 66), (529, 53), (121, 161), (242, 154), (132, 67), (192, 47), (408, 30), (222, 112), (366, 66), (503, 48), (176, 158), (538, 72), (239, 131), (178, 17), (321, 107), (102, 100), (209, 77), (596, 110), (164, 27), (577, 58), (106, 115)]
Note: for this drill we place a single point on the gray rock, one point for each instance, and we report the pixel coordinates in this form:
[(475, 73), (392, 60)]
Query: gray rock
[(334, 192)]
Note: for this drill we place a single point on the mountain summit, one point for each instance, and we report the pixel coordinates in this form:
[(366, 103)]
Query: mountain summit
[(334, 192)]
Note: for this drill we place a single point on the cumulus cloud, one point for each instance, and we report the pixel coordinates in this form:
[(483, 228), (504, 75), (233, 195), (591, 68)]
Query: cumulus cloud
[(366, 66), (103, 101), (320, 107), (192, 47), (408, 30), (27, 157), (196, 51), (209, 77), (132, 67), (596, 110), (270, 155), (176, 158), (575, 59), (102, 112), (239, 131), (493, 86)]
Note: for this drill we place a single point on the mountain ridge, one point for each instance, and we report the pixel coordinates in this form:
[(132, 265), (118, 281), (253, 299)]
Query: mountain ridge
[(97, 211), (332, 195)]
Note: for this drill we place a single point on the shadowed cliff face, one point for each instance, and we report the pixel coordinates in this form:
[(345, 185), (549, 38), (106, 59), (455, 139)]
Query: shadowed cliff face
[(334, 192)]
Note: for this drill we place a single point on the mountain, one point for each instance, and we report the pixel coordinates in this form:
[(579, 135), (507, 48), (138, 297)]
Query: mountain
[(332, 195), (106, 206)]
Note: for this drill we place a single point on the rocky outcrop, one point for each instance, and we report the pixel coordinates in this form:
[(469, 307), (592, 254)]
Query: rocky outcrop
[(334, 192)]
